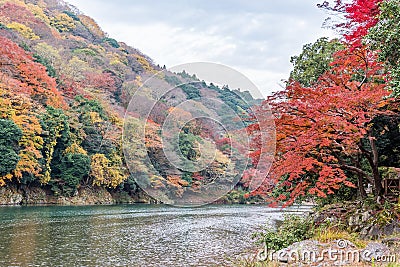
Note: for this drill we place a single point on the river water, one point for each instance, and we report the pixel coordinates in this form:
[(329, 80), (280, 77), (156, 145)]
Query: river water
[(130, 235)]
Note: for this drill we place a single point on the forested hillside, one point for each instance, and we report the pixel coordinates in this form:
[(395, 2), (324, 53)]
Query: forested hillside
[(65, 86)]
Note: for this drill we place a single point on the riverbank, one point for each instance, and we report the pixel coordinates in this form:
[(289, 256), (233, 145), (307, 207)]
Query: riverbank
[(364, 230), (12, 196)]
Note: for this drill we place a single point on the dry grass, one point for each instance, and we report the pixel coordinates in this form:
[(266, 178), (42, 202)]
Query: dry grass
[(330, 234)]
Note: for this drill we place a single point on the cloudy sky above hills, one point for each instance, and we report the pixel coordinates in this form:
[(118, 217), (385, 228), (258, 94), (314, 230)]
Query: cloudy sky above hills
[(255, 37)]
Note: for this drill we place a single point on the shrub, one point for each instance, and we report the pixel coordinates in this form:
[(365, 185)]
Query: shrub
[(293, 229)]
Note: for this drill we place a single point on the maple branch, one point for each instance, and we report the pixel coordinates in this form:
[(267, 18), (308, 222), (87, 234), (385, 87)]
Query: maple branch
[(353, 169), (304, 113)]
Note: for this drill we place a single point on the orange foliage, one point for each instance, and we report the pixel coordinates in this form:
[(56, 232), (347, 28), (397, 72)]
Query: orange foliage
[(24, 113), (27, 77)]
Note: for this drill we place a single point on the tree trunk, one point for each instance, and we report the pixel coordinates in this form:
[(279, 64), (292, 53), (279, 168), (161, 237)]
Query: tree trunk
[(361, 189), (360, 180), (378, 188)]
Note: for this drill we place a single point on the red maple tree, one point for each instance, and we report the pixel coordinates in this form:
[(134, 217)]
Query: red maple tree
[(320, 129), (360, 16)]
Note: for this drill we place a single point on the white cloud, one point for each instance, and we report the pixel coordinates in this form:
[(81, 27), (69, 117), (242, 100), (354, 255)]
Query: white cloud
[(255, 37)]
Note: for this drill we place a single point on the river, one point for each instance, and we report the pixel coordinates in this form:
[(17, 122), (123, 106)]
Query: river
[(130, 235)]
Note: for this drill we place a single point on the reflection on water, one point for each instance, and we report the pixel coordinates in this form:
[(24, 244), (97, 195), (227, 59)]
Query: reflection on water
[(128, 235)]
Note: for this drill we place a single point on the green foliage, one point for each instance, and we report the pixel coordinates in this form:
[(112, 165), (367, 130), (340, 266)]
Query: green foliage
[(388, 143), (233, 100), (71, 14), (25, 46), (384, 37), (94, 122), (187, 145), (293, 229), (49, 68), (173, 80), (239, 196), (84, 106), (191, 91), (85, 51), (73, 169), (10, 134), (56, 128), (314, 60), (111, 42), (129, 185), (8, 160), (186, 75), (187, 176)]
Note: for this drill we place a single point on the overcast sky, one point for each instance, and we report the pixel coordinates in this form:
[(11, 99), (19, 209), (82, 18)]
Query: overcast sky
[(255, 37)]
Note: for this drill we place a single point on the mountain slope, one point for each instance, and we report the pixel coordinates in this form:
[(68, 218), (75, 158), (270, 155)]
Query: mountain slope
[(65, 88)]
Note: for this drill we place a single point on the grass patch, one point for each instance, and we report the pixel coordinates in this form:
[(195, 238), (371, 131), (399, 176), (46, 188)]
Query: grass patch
[(326, 235)]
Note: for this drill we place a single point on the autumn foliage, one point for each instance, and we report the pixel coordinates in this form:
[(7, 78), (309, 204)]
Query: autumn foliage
[(326, 130), (360, 16), (22, 75), (320, 128)]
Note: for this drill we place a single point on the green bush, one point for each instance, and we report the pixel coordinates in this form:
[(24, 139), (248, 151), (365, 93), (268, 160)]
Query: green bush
[(173, 80), (71, 14), (73, 167), (8, 160), (293, 229), (10, 134), (191, 91), (111, 42)]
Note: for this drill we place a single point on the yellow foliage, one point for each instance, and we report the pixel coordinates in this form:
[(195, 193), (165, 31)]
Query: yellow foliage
[(75, 149), (62, 22), (95, 117), (116, 120), (75, 69), (42, 4), (91, 25), (38, 12), (138, 81), (23, 30), (4, 178), (116, 59), (221, 158), (50, 53), (145, 64), (107, 172), (23, 113)]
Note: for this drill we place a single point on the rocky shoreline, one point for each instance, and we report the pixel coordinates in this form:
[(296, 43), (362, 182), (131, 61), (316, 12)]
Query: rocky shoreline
[(357, 217), (340, 234), (12, 196)]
